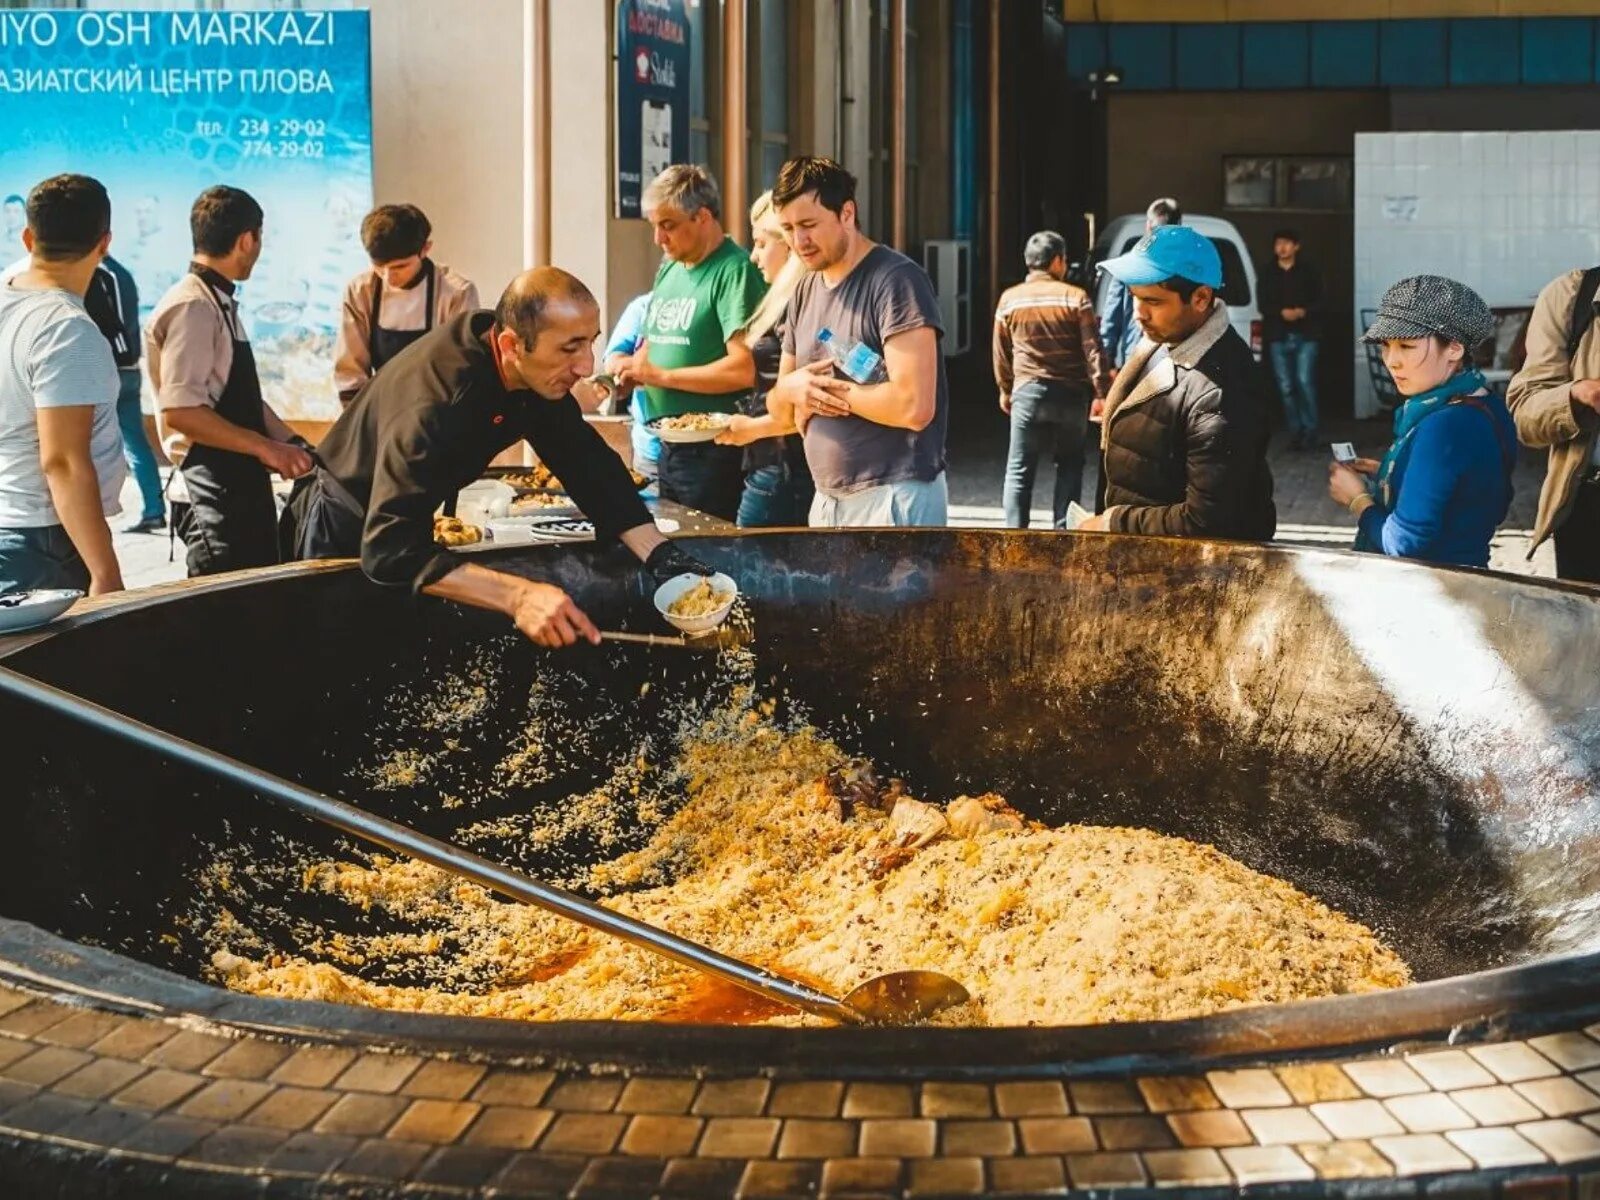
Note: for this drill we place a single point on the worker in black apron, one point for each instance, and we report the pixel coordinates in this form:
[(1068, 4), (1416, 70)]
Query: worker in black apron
[(384, 344), (231, 519)]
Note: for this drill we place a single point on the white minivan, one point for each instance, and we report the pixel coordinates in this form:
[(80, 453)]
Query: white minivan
[(1238, 272)]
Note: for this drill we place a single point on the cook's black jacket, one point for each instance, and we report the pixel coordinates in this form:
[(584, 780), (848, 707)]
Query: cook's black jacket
[(430, 422)]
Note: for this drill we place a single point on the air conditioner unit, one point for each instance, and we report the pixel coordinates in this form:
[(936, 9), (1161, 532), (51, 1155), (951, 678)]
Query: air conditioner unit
[(949, 265)]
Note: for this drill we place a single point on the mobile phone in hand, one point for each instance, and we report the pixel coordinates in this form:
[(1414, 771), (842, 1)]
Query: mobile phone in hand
[(1344, 452)]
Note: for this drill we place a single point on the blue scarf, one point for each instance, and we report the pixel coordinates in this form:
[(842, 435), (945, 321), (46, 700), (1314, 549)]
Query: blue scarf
[(1406, 419)]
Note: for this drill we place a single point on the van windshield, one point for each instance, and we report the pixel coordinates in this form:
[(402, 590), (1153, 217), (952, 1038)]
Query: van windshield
[(1235, 291)]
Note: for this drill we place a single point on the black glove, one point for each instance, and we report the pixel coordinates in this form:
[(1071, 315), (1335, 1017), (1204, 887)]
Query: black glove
[(667, 561)]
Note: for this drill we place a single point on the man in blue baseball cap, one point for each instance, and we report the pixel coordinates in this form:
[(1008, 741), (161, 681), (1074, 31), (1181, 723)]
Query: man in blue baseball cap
[(1184, 437)]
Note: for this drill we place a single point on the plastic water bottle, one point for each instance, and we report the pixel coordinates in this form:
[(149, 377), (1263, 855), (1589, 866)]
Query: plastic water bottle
[(854, 360)]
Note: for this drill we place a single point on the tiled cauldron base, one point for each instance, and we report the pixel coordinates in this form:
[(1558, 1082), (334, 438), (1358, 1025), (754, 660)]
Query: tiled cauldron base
[(149, 1106)]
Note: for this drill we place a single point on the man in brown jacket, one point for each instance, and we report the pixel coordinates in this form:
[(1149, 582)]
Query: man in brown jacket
[(1555, 401), (1049, 367)]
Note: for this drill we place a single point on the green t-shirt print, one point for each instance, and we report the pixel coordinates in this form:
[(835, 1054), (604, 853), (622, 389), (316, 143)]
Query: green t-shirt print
[(693, 313)]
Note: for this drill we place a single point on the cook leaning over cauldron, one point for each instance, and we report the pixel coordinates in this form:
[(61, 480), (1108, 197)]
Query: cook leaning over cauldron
[(430, 422)]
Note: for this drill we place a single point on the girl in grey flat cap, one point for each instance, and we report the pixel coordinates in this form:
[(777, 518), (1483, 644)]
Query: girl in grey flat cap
[(1445, 484)]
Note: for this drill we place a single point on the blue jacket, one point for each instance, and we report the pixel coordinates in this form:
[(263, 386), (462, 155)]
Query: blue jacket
[(1119, 332), (1452, 489)]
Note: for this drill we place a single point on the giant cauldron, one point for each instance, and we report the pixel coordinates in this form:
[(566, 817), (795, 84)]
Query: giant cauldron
[(1419, 748)]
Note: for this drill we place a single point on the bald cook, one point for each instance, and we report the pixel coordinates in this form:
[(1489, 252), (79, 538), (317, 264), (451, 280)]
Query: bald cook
[(431, 421)]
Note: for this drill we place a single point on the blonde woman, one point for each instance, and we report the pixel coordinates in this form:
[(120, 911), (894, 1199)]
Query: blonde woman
[(777, 482)]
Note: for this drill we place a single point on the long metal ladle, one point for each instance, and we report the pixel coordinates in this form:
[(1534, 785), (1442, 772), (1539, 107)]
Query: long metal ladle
[(894, 999)]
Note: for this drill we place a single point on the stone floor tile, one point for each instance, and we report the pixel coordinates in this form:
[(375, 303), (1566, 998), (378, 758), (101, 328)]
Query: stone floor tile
[(1357, 1119), (1311, 1083), (380, 1073), (658, 1135), (1385, 1077), (1108, 1170), (1570, 1051), (945, 1098), (1255, 1087), (1498, 1105), (980, 1139), (1514, 1062), (386, 1160), (13, 1093), (1183, 1168), (911, 1137), (45, 1113), (609, 1178), (1267, 1164), (1498, 1147), (702, 1178), (159, 1089), (1284, 1126), (1096, 1097), (732, 1098), (526, 1088), (313, 1066), (33, 1018), (12, 999), (441, 1079), (469, 1167), (508, 1128), (1564, 1141), (99, 1078), (584, 1095), (46, 1065), (946, 1177), (236, 1146), (879, 1100), (12, 1049), (1421, 1154), (1346, 1160), (1134, 1133), (187, 1050), (739, 1137), (1558, 1097), (583, 1133), (1177, 1093), (1431, 1112), (134, 1039), (82, 1029), (1027, 1176), (312, 1153), (166, 1136), (225, 1099), (542, 1175), (361, 1114), (1448, 1070), (811, 1137), (806, 1098), (1216, 1127), (1035, 1098), (438, 1121), (660, 1094), (105, 1125), (1057, 1135), (778, 1180), (861, 1177), (251, 1058), (291, 1109)]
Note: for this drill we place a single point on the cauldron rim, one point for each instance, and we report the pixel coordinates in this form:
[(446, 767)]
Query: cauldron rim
[(1547, 994)]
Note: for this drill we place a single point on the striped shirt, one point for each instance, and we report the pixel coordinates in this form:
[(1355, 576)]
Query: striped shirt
[(1045, 329)]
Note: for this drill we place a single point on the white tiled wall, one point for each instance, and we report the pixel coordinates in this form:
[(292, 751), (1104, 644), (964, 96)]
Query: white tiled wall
[(1505, 213)]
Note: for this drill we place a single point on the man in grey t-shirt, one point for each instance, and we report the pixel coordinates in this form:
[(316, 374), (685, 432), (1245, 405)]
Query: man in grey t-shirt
[(61, 466), (871, 396)]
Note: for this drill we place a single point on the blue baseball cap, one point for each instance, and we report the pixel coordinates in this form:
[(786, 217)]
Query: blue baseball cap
[(1166, 251)]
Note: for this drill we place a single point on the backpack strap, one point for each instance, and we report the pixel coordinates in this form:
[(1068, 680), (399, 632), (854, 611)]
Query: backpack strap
[(1583, 313), (1508, 450)]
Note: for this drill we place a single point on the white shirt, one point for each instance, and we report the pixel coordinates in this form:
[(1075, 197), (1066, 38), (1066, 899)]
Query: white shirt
[(52, 356)]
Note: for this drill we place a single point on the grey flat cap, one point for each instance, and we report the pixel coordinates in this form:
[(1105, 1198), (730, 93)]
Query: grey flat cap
[(1432, 304)]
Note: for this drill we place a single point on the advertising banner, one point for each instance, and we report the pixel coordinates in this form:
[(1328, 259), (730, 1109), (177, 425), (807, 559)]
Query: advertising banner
[(159, 106), (652, 94)]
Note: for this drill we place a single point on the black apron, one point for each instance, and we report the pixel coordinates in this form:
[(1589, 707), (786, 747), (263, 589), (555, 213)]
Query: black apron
[(231, 520), (383, 344), (321, 520)]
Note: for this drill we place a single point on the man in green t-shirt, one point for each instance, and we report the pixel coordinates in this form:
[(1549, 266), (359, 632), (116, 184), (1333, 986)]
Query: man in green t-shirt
[(693, 357)]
